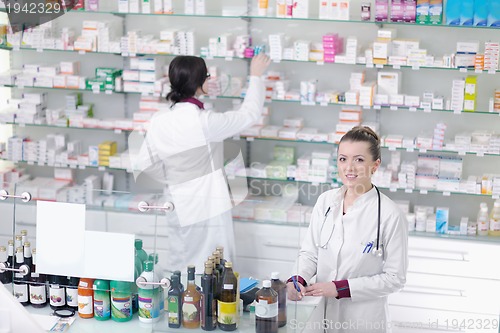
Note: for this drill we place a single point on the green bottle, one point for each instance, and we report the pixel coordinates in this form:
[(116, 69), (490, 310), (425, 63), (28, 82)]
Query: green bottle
[(140, 251), (121, 301), (102, 300)]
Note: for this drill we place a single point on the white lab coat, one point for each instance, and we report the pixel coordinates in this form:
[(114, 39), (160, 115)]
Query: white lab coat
[(183, 150), (371, 279)]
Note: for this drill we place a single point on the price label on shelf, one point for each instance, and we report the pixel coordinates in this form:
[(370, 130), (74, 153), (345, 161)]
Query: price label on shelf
[(229, 58), (457, 111), (16, 48), (480, 153), (408, 190), (427, 110), (109, 92), (495, 197), (424, 191), (366, 107), (81, 167), (236, 137), (31, 162), (463, 70), (320, 63), (422, 150), (129, 170), (72, 166), (446, 193), (393, 189), (41, 163), (212, 97), (415, 67), (101, 168), (492, 71), (396, 66), (392, 148), (250, 138), (323, 103), (144, 93), (394, 108), (39, 50), (369, 65), (20, 86), (82, 52), (118, 131), (410, 150), (315, 184), (132, 55), (412, 109), (276, 61), (462, 152), (380, 66), (22, 125), (478, 71), (377, 107)]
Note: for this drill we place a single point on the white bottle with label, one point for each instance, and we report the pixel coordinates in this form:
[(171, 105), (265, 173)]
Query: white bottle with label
[(483, 220), (495, 219), (149, 295)]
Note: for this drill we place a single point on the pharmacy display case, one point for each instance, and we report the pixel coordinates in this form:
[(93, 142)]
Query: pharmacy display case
[(269, 239)]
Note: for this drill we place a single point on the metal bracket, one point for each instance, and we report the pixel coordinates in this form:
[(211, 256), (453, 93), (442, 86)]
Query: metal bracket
[(141, 282), (23, 269), (143, 207), (25, 196)]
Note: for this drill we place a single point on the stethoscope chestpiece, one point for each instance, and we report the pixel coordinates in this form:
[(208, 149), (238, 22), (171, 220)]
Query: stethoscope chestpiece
[(378, 252)]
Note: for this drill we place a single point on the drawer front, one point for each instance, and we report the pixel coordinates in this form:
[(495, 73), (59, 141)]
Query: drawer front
[(449, 293), (453, 257), (416, 320), (268, 241), (262, 268)]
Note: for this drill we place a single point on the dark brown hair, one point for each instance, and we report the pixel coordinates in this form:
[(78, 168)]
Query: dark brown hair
[(364, 134)]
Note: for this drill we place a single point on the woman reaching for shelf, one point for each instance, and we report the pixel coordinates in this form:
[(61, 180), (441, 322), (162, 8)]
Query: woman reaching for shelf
[(183, 151), (356, 246)]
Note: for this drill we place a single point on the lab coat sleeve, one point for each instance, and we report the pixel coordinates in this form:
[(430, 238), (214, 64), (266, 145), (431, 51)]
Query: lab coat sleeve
[(224, 125), (146, 162), (306, 263), (393, 276)]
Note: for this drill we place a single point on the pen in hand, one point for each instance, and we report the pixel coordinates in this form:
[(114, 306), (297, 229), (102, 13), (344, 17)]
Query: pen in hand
[(294, 280)]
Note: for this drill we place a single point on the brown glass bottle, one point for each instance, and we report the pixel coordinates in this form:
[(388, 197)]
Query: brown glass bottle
[(279, 287), (266, 309), (37, 288), (227, 314), (191, 302)]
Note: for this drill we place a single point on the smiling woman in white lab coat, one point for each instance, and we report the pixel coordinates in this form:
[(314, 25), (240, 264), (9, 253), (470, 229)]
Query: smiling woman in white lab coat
[(183, 150), (356, 244)]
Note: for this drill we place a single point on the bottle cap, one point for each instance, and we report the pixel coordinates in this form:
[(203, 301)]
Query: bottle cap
[(33, 250), (266, 284), (10, 242), (191, 269), (3, 249), (102, 285), (175, 280), (24, 232), (153, 257), (228, 264), (27, 244), (19, 249), (275, 275), (148, 266), (138, 244), (19, 237)]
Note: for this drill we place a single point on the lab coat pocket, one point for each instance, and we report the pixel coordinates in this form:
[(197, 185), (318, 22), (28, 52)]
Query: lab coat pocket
[(369, 263)]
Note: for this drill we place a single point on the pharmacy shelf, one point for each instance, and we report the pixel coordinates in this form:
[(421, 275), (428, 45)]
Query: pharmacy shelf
[(244, 16), (283, 223), (391, 189), (114, 130), (79, 167), (410, 150), (474, 238), (82, 52)]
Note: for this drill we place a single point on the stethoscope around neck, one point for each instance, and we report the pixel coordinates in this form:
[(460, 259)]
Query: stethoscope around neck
[(378, 252)]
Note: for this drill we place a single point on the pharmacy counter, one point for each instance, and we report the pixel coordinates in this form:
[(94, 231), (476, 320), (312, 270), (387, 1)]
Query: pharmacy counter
[(299, 314)]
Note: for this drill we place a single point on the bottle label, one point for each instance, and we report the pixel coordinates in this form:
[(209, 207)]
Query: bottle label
[(121, 307), (72, 297), (494, 225), (482, 226), (227, 312), (102, 307), (173, 310), (21, 292), (38, 294), (228, 286), (148, 307), (85, 305), (190, 311), (263, 309), (57, 296)]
